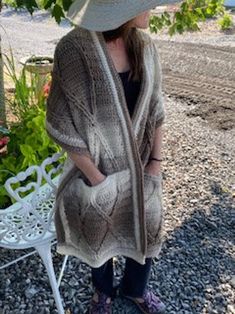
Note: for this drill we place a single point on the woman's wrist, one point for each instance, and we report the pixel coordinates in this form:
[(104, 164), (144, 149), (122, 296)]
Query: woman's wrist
[(153, 167), (93, 175), (94, 180)]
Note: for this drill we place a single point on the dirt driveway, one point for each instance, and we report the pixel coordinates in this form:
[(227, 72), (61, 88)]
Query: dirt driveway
[(203, 77)]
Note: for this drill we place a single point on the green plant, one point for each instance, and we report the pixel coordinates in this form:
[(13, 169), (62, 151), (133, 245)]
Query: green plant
[(29, 143), (25, 88), (226, 22), (11, 3)]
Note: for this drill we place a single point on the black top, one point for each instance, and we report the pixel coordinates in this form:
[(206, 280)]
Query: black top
[(132, 89)]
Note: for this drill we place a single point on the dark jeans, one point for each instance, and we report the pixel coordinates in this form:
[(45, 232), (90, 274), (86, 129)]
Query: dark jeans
[(133, 283)]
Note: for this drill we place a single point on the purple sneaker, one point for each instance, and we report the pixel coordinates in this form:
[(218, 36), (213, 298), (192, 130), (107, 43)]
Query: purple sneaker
[(100, 303), (151, 304)]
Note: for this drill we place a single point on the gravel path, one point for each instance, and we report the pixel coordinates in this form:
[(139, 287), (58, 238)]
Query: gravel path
[(195, 271)]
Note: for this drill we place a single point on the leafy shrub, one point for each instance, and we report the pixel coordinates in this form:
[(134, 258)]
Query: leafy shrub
[(187, 16), (226, 22)]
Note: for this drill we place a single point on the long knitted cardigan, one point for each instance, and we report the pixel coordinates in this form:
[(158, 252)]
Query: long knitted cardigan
[(87, 113)]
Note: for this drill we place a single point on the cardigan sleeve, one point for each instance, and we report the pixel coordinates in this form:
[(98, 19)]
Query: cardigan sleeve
[(158, 99), (60, 124)]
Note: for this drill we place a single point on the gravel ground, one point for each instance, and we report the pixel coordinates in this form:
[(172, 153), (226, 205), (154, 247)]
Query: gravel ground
[(195, 270)]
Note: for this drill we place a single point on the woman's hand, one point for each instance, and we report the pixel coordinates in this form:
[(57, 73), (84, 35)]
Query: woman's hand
[(98, 179), (153, 167), (88, 168)]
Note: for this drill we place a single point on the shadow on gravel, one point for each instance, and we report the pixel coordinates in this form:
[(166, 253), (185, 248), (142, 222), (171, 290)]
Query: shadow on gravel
[(193, 274)]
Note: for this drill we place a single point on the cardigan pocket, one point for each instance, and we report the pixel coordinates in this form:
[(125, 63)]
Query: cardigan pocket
[(106, 195), (153, 206), (98, 203)]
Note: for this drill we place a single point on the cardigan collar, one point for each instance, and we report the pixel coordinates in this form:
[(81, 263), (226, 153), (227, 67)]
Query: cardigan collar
[(145, 84)]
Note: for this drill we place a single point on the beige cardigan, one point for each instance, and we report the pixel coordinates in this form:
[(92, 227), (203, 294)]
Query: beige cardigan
[(87, 113)]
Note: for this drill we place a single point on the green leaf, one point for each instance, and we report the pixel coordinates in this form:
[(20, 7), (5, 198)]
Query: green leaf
[(19, 3), (167, 15), (31, 5), (180, 28), (45, 139), (209, 11), (9, 163), (48, 3), (57, 13), (26, 150), (172, 30), (38, 121), (4, 197), (66, 4), (184, 6)]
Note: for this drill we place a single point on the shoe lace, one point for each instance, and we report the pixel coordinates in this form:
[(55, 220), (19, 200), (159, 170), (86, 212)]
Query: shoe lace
[(101, 306), (153, 302)]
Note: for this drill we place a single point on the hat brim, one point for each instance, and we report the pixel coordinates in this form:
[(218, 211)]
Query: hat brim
[(96, 15)]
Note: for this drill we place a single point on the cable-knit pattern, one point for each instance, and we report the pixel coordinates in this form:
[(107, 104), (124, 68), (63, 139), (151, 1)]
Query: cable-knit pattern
[(87, 113)]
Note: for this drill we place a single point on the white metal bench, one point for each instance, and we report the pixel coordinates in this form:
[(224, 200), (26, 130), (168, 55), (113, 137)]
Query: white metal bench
[(29, 222)]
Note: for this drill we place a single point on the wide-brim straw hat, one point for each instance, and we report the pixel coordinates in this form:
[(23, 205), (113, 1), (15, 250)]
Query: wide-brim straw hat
[(104, 15)]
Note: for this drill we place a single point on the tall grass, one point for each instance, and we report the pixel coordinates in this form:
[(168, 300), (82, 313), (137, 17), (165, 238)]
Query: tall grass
[(25, 94)]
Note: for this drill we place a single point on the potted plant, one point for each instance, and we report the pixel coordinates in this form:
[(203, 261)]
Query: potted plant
[(41, 66)]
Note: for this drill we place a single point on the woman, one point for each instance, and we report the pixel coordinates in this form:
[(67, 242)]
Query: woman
[(105, 109)]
